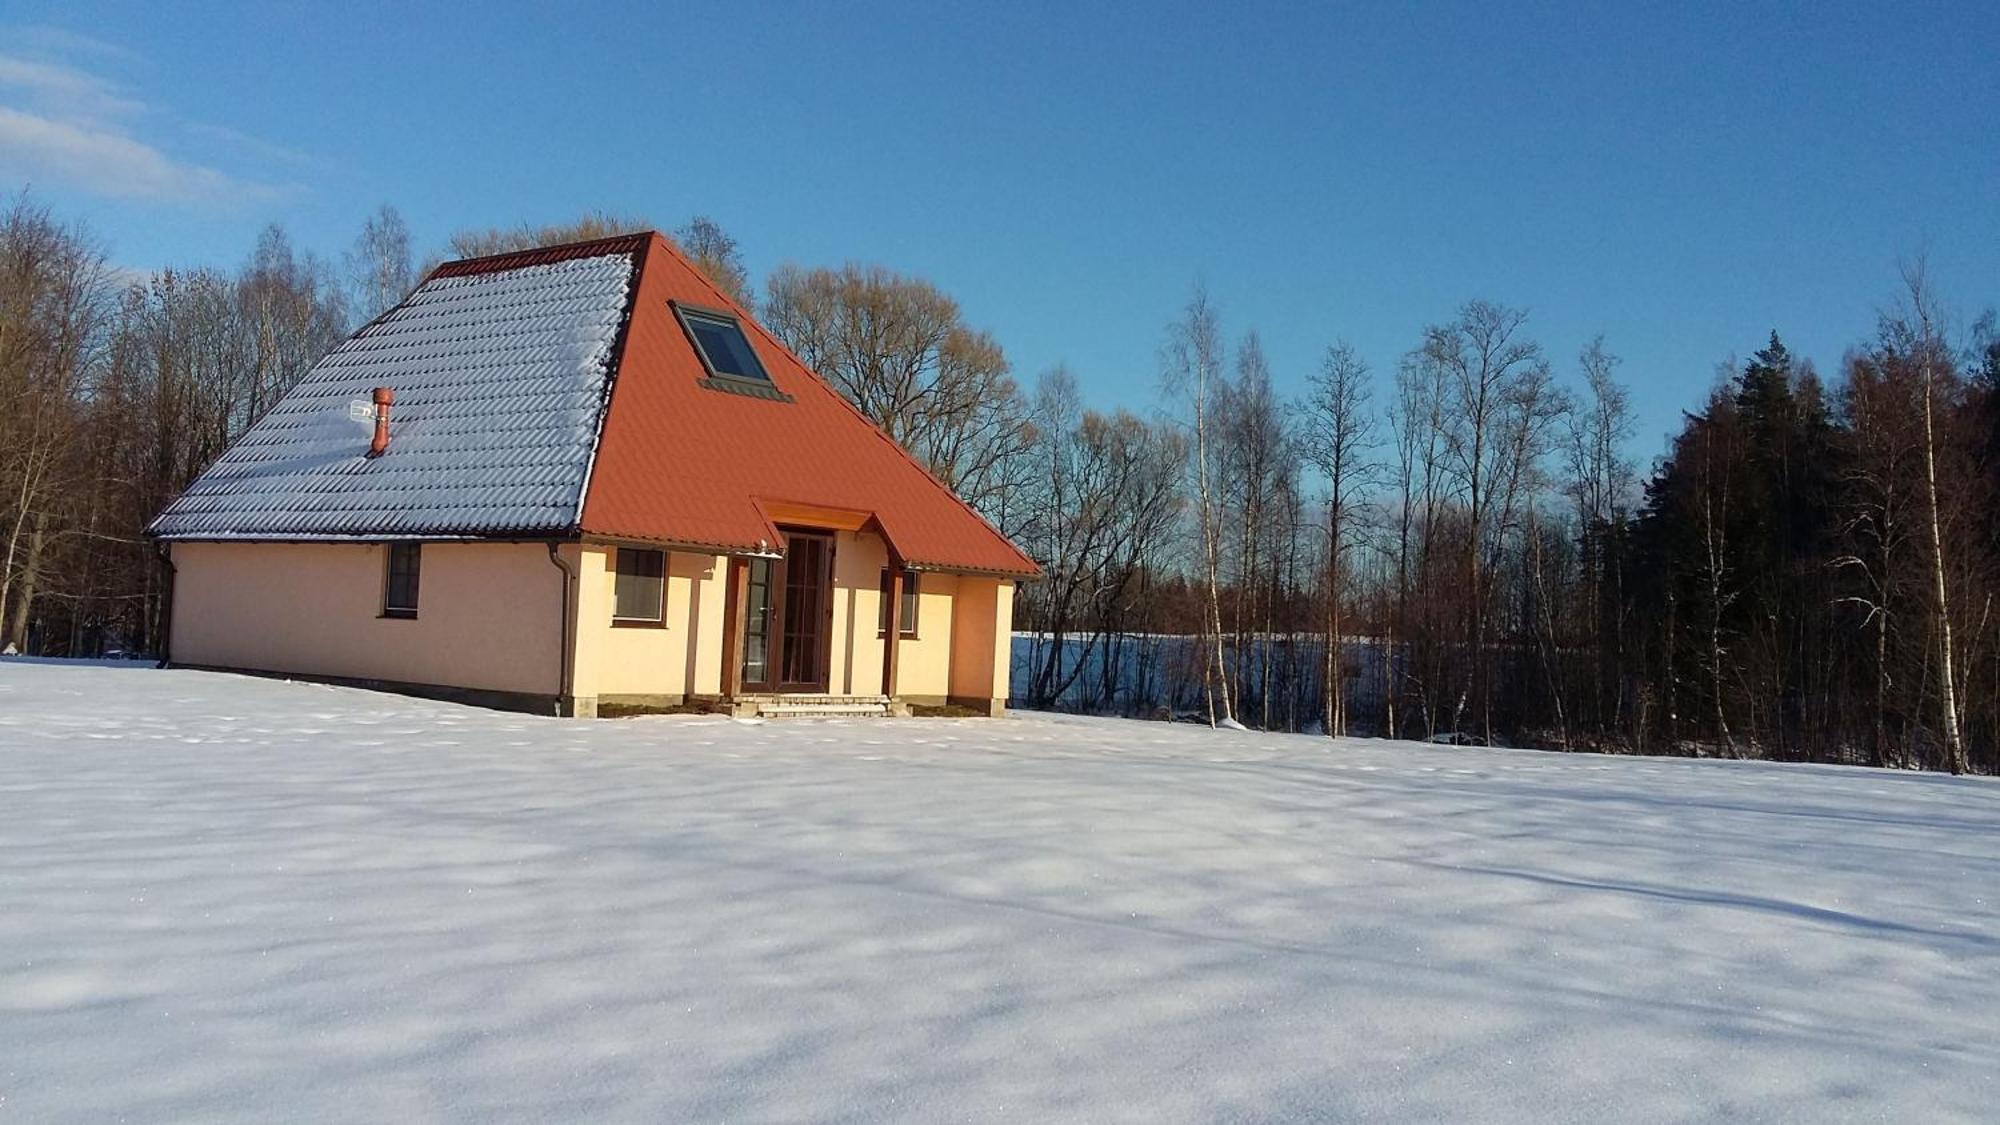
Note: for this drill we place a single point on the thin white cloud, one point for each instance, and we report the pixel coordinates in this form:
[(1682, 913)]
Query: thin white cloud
[(63, 42), (64, 124), (63, 91), (111, 164)]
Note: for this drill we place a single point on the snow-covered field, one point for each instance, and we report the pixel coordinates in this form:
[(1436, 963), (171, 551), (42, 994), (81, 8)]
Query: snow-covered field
[(224, 898)]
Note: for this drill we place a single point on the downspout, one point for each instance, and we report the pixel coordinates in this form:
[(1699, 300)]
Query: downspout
[(167, 608), (564, 675)]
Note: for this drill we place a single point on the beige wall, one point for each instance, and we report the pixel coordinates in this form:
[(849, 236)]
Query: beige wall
[(858, 559), (681, 657), (982, 653), (488, 614), (489, 619), (952, 655), (923, 662)]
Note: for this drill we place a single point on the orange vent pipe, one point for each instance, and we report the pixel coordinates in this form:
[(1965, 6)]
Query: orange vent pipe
[(384, 397)]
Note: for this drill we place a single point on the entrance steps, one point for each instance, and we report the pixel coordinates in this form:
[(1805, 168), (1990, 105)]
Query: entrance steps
[(812, 706)]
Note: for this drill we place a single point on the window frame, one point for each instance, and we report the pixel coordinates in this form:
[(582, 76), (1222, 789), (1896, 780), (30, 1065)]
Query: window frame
[(907, 622), (751, 386), (659, 618), (415, 574)]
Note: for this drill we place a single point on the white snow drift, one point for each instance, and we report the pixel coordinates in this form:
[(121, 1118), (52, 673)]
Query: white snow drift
[(230, 899)]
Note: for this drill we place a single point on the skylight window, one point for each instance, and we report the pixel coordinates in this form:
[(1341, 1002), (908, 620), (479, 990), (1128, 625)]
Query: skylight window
[(723, 347)]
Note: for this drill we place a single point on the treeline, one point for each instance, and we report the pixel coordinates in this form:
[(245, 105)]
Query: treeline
[(117, 392), (1807, 574), (1456, 547)]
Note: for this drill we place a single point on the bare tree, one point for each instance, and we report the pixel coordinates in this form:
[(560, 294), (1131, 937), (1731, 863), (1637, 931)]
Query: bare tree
[(591, 225), (1417, 421), (1717, 452), (378, 264), (898, 348), (716, 254), (1338, 431), (1191, 370), (1106, 493), (1601, 486), (1600, 474), (1255, 466), (292, 312), (1883, 488), (1492, 372), (1920, 333), (53, 295)]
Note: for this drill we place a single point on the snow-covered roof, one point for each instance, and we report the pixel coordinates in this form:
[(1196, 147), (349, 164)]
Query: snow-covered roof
[(553, 393), (500, 379)]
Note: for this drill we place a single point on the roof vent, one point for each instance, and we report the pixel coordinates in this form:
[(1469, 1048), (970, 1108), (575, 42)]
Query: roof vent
[(384, 397)]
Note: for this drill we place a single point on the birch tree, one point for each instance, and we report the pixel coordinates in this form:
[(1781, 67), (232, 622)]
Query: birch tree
[(1191, 372), (1256, 466), (1919, 333), (1601, 486), (1339, 437), (378, 264), (1416, 419)]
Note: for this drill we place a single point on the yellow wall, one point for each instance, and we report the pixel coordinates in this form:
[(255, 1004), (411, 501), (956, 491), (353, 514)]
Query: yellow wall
[(682, 657), (858, 559), (489, 614), (923, 662), (489, 618), (982, 652)]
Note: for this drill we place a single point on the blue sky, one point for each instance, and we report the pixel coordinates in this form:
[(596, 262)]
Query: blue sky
[(1680, 177)]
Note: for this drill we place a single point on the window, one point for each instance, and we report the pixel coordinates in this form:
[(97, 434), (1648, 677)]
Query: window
[(635, 600), (906, 617), (399, 592), (723, 347)]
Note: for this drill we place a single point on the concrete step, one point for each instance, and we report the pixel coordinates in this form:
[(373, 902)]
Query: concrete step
[(803, 710), (806, 706)]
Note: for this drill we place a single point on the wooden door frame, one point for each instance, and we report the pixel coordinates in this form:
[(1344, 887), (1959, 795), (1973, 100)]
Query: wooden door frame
[(736, 620), (824, 683), (738, 625), (735, 573)]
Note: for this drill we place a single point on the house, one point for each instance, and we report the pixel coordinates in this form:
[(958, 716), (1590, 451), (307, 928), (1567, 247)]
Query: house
[(579, 476)]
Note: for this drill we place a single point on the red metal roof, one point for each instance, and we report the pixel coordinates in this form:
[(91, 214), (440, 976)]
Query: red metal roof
[(680, 462)]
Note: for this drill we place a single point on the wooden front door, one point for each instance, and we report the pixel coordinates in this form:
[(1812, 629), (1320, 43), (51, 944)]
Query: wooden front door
[(805, 648), (786, 618)]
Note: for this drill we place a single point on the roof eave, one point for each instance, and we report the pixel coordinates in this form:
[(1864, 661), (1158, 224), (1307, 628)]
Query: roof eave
[(526, 535)]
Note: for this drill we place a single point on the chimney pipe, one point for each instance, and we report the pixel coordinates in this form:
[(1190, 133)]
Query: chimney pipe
[(383, 398)]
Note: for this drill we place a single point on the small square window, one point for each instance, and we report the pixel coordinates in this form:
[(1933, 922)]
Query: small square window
[(906, 617), (636, 597), (399, 590), (724, 349)]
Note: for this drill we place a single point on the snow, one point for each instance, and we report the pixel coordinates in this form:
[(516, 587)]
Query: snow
[(499, 380), (232, 899)]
